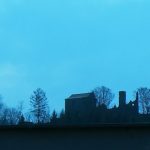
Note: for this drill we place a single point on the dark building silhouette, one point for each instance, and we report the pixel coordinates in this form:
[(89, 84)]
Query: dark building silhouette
[(131, 107), (80, 106), (127, 112)]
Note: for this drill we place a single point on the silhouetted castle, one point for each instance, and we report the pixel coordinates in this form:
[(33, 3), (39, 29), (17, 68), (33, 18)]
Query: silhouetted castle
[(131, 107), (77, 106), (127, 112), (83, 108)]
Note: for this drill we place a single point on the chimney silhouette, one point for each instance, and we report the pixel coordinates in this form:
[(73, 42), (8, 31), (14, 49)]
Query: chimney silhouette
[(122, 98)]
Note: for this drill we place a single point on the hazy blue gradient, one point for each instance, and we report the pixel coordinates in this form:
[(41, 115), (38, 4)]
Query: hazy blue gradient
[(72, 46)]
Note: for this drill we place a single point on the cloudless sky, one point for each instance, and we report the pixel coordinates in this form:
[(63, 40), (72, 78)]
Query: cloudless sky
[(72, 46)]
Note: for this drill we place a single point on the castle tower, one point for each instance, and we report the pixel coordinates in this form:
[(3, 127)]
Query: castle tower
[(122, 98), (137, 103)]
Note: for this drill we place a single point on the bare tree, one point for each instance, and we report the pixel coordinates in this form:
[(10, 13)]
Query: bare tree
[(46, 116), (4, 117), (13, 116), (144, 99), (10, 116), (2, 106), (39, 105), (1, 102), (28, 117), (21, 107), (21, 120), (103, 95)]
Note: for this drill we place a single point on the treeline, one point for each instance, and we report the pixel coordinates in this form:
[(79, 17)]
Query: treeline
[(39, 112)]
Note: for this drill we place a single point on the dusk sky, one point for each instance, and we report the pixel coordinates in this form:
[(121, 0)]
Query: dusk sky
[(72, 46)]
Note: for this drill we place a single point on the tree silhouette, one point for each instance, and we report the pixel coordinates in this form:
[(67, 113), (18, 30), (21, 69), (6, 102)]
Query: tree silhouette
[(53, 118), (2, 108), (103, 95), (144, 99), (39, 104), (20, 107), (21, 120), (10, 116), (1, 102), (62, 116)]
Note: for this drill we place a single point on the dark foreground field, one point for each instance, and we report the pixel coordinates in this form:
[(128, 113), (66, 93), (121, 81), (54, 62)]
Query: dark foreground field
[(104, 137)]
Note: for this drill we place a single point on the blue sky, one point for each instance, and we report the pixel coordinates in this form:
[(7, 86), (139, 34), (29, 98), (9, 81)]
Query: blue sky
[(72, 46)]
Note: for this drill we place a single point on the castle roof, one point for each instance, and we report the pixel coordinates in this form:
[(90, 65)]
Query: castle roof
[(82, 95)]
